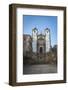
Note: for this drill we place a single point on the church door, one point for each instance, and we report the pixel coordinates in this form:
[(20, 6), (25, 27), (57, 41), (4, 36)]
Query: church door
[(41, 50)]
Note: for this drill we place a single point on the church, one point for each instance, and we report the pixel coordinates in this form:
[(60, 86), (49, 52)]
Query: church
[(36, 46), (41, 43)]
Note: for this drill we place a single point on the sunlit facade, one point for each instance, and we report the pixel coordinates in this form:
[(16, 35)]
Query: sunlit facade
[(41, 43)]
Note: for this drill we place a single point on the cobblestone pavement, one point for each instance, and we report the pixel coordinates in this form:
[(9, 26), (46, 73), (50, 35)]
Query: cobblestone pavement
[(39, 69)]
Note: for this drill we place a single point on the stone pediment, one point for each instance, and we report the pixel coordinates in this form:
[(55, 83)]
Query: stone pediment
[(41, 37)]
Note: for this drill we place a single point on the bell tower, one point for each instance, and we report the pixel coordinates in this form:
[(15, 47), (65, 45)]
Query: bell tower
[(47, 40), (34, 40)]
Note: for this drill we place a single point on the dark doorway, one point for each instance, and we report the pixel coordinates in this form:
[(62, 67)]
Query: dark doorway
[(41, 50)]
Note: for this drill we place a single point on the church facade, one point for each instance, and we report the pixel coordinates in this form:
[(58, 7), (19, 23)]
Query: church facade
[(41, 43), (37, 45)]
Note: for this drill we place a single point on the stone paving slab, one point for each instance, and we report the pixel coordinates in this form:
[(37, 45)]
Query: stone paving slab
[(39, 69)]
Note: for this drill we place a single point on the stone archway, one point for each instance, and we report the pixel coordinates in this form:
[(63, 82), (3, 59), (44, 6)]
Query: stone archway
[(41, 50)]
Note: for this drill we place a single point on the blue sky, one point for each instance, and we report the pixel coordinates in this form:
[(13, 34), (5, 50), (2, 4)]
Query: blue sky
[(41, 22)]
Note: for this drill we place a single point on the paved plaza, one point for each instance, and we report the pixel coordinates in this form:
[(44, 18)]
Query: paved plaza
[(39, 69)]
